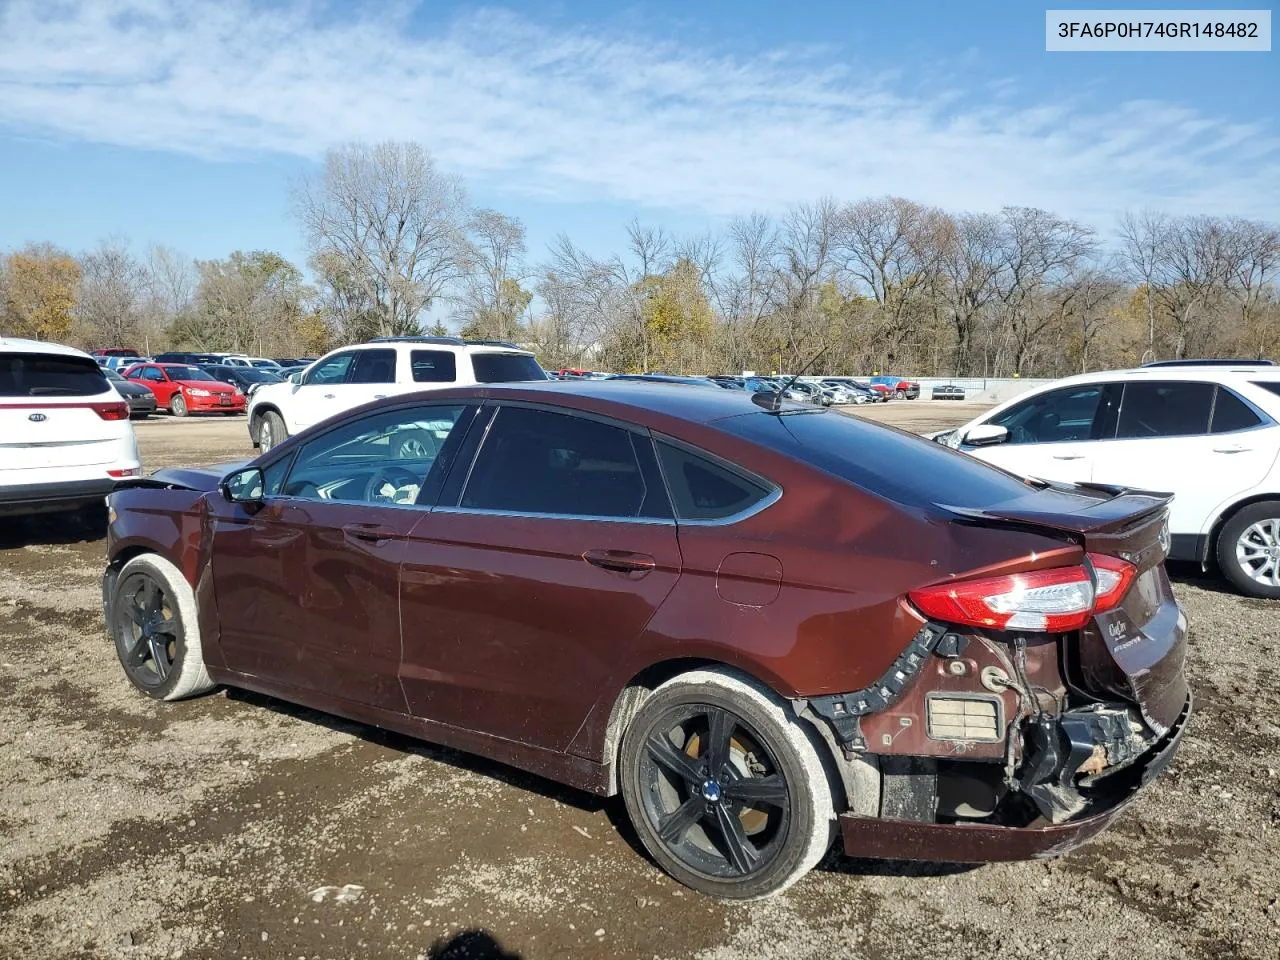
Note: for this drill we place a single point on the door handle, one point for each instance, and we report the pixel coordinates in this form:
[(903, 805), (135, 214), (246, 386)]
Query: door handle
[(620, 561), (1067, 456), (328, 396), (366, 532), (379, 396), (1235, 449)]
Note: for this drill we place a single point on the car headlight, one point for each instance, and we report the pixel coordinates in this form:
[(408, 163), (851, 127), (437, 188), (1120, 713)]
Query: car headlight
[(197, 392)]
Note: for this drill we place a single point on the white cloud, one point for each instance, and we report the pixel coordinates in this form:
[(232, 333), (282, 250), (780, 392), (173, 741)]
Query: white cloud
[(582, 115)]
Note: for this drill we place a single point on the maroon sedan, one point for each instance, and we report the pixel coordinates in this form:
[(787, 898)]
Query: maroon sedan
[(763, 624)]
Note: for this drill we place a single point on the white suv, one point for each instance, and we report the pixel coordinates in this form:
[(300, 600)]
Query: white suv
[(1207, 432), (65, 435), (350, 376)]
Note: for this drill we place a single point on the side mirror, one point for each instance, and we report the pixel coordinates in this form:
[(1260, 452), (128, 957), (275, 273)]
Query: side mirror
[(244, 486), (985, 435)]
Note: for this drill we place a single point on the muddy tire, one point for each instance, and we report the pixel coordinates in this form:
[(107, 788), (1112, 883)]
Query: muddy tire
[(725, 788), (178, 406), (1248, 550), (155, 629), (271, 431)]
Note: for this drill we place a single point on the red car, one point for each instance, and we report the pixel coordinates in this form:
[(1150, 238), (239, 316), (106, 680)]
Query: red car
[(183, 389)]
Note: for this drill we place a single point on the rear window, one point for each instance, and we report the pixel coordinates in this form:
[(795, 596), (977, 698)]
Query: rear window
[(43, 375), (881, 460), (506, 367)]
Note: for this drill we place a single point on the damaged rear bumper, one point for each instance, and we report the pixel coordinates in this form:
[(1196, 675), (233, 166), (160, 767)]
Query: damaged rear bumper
[(882, 838)]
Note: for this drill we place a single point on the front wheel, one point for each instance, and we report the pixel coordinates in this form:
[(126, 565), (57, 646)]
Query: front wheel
[(272, 431), (156, 632), (725, 790), (178, 405), (1249, 550)]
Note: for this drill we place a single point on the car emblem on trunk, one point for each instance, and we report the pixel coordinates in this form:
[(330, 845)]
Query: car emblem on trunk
[(37, 418)]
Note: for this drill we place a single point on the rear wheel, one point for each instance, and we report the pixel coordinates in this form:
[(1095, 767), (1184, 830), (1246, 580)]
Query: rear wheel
[(178, 405), (726, 791), (156, 633), (1249, 550), (272, 431)]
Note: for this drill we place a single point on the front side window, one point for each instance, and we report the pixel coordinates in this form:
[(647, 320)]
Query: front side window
[(381, 458), (330, 370), (1169, 409), (154, 374), (536, 461), (433, 366), (704, 490), (373, 366), (1059, 416)]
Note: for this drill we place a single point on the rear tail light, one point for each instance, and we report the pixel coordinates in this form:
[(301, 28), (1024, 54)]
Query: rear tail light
[(1045, 601), (130, 472), (1113, 577), (111, 411)]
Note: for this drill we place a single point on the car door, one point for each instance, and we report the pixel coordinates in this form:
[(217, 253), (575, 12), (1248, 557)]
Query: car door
[(155, 380), (307, 581), (316, 396), (1050, 435), (547, 556), (1197, 440), (372, 377)]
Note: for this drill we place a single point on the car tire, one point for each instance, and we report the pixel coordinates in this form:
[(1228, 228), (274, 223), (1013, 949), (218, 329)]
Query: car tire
[(178, 406), (700, 833), (271, 431), (153, 623), (1248, 550)]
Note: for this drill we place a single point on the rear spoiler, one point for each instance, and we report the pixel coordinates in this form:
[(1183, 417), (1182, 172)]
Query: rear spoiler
[(1066, 507)]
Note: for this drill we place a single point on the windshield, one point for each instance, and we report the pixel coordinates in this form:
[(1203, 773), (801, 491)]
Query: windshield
[(268, 364), (506, 367), (255, 375), (187, 373), (45, 375)]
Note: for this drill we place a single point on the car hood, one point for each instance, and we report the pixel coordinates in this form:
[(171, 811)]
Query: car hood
[(202, 479)]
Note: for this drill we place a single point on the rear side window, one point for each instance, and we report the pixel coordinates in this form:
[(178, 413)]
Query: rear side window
[(704, 490), (536, 461), (43, 375), (1167, 409), (506, 367), (373, 366), (434, 366), (1059, 416), (881, 460), (1231, 413)]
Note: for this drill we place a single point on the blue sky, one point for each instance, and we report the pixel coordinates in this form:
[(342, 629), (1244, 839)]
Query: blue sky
[(184, 122)]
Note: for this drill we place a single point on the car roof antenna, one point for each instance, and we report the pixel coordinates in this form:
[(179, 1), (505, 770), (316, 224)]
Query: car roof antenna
[(771, 400)]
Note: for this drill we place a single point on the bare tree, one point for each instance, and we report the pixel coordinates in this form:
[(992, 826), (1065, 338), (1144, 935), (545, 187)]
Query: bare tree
[(1142, 252), (968, 262), (492, 298), (394, 220), (113, 286)]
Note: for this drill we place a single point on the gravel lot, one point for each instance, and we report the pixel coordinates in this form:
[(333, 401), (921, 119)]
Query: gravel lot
[(208, 828)]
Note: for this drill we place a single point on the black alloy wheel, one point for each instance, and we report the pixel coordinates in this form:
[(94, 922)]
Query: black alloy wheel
[(714, 792), (147, 631)]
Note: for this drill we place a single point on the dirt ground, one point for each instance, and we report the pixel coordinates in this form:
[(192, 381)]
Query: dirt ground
[(226, 826)]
